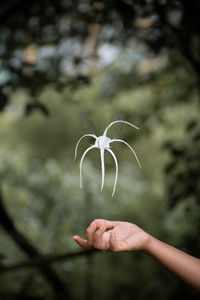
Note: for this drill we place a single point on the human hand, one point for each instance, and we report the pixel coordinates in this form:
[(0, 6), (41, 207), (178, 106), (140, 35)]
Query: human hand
[(115, 236)]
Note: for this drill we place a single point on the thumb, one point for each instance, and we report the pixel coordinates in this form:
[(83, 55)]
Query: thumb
[(113, 242)]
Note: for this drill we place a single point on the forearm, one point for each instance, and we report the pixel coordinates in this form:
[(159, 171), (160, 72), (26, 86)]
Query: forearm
[(183, 265)]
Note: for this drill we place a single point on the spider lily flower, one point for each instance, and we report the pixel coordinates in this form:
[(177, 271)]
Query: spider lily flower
[(103, 143)]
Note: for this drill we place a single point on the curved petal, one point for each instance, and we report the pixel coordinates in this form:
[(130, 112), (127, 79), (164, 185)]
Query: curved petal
[(81, 163), (118, 121), (102, 167), (117, 140), (116, 164), (76, 149)]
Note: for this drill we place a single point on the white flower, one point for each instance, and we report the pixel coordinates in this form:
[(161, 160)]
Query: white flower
[(103, 143)]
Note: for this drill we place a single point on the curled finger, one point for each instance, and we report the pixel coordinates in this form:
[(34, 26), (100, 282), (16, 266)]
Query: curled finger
[(90, 232), (99, 242)]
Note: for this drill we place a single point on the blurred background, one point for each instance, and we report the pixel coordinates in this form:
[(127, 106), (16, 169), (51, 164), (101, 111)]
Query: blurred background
[(68, 68)]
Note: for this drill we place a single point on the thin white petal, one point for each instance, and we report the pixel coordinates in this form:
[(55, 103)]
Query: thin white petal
[(117, 140), (102, 167), (118, 121), (81, 163), (76, 149), (116, 164)]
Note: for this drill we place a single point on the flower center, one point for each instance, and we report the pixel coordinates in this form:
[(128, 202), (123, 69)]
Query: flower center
[(103, 142)]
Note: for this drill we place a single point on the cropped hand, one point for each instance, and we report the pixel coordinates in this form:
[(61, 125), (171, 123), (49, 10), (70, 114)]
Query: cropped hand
[(115, 236)]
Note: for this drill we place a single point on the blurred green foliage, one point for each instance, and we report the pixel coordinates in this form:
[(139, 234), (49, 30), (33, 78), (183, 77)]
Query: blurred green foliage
[(68, 68), (40, 183)]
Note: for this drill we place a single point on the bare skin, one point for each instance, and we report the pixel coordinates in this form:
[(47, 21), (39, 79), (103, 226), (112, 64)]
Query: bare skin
[(118, 236)]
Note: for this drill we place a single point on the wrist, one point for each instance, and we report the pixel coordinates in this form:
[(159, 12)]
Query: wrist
[(148, 243)]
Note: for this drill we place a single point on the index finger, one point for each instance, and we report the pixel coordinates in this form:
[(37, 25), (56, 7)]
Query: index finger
[(108, 224), (80, 241)]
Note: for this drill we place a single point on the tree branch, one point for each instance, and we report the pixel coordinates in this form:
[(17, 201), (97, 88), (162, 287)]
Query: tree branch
[(46, 260)]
